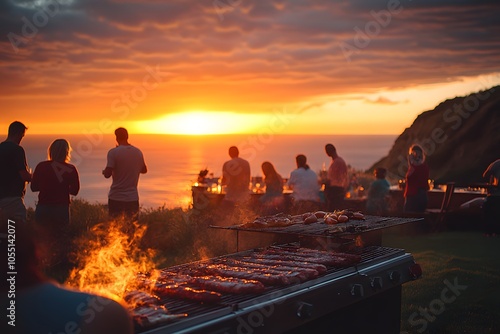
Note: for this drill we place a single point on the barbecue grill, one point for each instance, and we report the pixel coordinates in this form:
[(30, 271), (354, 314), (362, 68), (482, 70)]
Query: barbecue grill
[(362, 298)]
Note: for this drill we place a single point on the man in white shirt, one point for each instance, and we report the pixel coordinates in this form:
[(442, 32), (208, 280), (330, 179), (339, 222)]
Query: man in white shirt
[(305, 185), (236, 176), (125, 163)]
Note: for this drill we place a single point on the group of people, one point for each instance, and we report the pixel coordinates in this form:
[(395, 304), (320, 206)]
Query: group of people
[(303, 181), (305, 184), (56, 179)]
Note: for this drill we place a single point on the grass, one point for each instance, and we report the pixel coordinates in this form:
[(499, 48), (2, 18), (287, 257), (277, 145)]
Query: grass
[(464, 259)]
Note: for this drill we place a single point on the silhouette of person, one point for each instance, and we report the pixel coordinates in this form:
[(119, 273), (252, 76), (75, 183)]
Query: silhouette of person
[(491, 206), (43, 306), (236, 178), (55, 179), (272, 201), (305, 186), (376, 202), (338, 180), (14, 174), (124, 164), (417, 181)]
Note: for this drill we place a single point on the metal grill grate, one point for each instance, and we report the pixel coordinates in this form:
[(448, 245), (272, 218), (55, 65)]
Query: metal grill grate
[(370, 223)]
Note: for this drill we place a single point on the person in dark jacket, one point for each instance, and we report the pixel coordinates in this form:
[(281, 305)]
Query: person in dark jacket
[(14, 174)]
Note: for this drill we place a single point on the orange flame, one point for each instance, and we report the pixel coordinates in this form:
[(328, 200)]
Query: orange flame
[(110, 263), (359, 241)]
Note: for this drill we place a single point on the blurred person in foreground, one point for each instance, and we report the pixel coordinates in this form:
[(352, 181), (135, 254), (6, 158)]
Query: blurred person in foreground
[(417, 181), (14, 174), (236, 179), (305, 186), (55, 180), (39, 305), (124, 164), (337, 180), (491, 206), (376, 202), (272, 201)]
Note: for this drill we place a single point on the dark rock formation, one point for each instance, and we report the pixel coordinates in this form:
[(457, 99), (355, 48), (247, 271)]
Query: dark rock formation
[(461, 137)]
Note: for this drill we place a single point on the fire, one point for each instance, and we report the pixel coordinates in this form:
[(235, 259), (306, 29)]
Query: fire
[(111, 260), (203, 252), (359, 241)]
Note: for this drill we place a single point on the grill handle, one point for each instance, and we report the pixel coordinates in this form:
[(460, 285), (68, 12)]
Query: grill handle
[(304, 310), (395, 276)]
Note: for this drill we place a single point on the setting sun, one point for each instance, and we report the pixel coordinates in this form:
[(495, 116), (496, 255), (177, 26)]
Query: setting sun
[(200, 123)]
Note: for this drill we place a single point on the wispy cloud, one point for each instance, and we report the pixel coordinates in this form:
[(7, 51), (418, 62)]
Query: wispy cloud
[(385, 100)]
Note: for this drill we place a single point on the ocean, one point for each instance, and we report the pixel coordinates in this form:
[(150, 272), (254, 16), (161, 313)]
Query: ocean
[(174, 161)]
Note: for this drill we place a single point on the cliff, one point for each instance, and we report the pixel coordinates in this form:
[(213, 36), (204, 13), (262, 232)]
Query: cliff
[(461, 137)]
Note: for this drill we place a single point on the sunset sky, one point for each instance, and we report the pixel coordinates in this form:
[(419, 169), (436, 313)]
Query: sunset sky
[(223, 66)]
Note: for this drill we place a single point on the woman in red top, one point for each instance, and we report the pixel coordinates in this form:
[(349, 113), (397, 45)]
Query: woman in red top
[(417, 181), (56, 180)]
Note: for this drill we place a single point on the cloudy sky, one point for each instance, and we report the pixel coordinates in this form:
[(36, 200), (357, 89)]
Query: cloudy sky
[(339, 66)]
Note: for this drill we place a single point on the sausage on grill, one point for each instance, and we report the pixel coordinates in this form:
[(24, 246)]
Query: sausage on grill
[(327, 259), (145, 316), (228, 284), (186, 292), (303, 274), (238, 272), (232, 285), (139, 298), (263, 259)]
